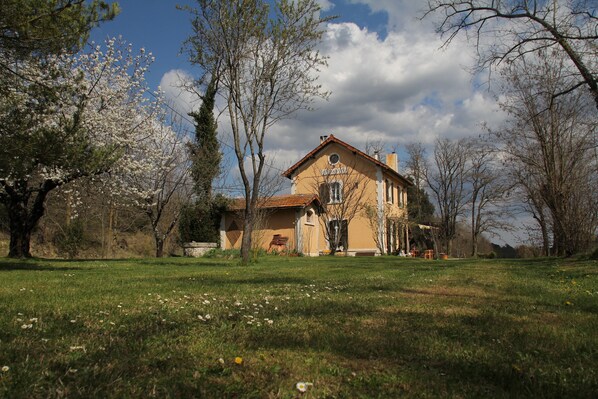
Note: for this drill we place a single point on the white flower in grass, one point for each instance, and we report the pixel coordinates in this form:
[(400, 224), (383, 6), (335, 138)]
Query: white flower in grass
[(302, 386), (5, 369), (208, 316)]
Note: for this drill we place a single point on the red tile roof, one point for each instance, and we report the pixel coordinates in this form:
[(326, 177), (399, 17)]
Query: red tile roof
[(331, 139), (279, 202)]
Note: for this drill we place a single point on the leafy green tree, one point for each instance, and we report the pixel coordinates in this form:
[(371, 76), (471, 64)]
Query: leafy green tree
[(205, 151), (421, 210), (42, 27)]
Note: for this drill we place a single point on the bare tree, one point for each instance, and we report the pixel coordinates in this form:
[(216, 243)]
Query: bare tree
[(342, 191), (447, 178), (488, 190), (509, 29), (551, 145), (267, 60)]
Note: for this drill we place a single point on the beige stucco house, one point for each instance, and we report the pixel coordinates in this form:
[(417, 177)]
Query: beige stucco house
[(341, 200)]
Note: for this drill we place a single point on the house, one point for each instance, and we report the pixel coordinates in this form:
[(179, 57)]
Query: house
[(284, 222), (342, 200)]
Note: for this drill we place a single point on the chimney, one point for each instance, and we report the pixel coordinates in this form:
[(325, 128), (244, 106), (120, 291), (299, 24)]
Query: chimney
[(377, 155), (323, 139), (393, 161)]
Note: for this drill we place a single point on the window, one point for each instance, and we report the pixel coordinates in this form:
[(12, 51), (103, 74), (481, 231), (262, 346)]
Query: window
[(390, 192), (333, 159), (401, 197), (336, 192), (331, 193)]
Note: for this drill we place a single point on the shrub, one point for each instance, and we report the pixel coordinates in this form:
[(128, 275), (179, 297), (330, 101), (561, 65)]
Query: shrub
[(69, 240), (201, 222)]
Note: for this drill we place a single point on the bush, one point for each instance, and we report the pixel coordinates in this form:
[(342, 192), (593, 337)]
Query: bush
[(69, 240), (201, 222)]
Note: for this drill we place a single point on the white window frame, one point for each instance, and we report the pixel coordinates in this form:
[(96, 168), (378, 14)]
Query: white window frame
[(390, 192), (401, 197), (331, 192)]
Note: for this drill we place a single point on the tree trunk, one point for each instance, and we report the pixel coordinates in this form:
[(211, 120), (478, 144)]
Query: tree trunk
[(246, 240), (159, 247), (474, 245), (20, 240), (22, 219)]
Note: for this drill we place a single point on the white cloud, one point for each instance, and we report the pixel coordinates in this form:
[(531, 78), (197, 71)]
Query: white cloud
[(398, 89), (325, 5), (173, 84)]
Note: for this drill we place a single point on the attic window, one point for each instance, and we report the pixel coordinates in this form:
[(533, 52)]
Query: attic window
[(334, 158)]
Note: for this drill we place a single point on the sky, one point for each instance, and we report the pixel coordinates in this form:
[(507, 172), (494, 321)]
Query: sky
[(390, 77)]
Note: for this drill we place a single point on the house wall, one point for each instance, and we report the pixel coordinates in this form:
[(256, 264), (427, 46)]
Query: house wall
[(360, 233), (307, 179), (280, 221)]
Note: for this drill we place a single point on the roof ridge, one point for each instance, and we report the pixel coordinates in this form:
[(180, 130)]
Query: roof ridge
[(348, 146)]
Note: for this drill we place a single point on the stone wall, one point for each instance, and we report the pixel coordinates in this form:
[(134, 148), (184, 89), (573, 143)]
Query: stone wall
[(198, 249)]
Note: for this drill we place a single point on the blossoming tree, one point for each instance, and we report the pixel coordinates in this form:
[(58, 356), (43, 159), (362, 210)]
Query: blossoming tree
[(72, 117)]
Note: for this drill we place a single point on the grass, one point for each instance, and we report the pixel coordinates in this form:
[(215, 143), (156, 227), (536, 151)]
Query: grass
[(353, 327)]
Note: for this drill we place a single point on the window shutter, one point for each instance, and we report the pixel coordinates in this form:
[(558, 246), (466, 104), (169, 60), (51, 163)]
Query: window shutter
[(324, 193)]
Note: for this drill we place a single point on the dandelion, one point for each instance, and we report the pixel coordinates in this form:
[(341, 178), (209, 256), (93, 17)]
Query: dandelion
[(568, 303), (5, 369), (238, 360)]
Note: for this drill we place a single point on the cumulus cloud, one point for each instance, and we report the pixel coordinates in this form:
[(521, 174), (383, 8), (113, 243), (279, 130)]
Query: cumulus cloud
[(174, 84), (398, 89)]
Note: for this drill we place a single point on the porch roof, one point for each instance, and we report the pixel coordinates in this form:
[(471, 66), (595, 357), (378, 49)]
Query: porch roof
[(279, 202)]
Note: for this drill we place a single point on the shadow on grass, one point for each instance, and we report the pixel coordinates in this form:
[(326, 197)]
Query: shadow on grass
[(15, 265)]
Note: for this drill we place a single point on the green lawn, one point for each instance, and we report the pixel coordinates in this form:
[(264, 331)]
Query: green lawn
[(353, 327)]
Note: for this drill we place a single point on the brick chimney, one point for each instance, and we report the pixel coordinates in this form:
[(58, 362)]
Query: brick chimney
[(393, 161)]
